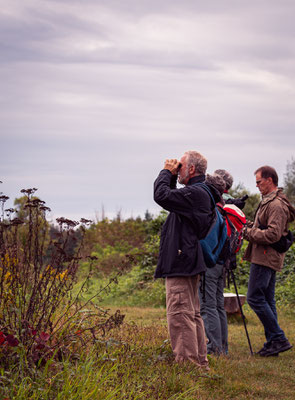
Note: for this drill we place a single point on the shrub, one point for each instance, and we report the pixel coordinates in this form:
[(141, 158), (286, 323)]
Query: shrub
[(39, 314), (133, 290)]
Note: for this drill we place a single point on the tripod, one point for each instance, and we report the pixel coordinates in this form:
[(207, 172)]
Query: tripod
[(232, 275)]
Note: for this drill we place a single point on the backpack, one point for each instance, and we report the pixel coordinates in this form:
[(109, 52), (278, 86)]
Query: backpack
[(235, 221), (224, 238), (216, 238), (285, 241)]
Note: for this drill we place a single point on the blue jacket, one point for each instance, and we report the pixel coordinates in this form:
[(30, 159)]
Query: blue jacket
[(191, 214)]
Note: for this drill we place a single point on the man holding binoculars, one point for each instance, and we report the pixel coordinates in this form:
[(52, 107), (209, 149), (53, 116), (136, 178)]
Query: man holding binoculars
[(180, 257)]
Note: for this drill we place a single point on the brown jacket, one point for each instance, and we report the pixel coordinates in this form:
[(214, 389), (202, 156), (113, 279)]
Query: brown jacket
[(274, 212)]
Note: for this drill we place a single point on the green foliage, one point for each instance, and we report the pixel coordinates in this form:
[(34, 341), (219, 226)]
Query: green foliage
[(285, 293), (20, 206), (289, 266), (155, 224), (138, 287), (243, 268), (285, 286), (251, 203), (122, 235), (251, 206), (110, 241), (134, 288), (289, 181), (108, 259)]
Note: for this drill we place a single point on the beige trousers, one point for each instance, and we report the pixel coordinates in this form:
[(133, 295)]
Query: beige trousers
[(185, 324)]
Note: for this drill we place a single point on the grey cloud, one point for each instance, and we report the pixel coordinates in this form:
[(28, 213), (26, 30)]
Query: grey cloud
[(110, 32), (96, 94)]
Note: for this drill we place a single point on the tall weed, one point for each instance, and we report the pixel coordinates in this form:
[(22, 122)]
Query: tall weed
[(39, 314)]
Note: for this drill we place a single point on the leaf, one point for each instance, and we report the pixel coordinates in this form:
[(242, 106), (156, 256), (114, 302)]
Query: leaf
[(44, 337)]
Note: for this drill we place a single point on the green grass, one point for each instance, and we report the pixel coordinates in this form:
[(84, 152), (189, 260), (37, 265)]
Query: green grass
[(132, 289), (135, 362)]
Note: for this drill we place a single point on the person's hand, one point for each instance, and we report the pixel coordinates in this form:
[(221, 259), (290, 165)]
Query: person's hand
[(244, 232), (249, 224), (172, 166)]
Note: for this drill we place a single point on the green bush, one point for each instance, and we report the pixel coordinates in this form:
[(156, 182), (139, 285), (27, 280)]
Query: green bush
[(285, 293), (133, 288), (137, 288)]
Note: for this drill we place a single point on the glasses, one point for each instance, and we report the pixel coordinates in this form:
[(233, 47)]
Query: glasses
[(261, 181)]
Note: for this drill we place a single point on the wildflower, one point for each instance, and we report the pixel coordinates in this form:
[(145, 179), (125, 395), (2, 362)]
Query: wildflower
[(62, 275), (44, 337), (4, 198), (86, 221), (33, 331), (7, 276), (29, 191), (11, 340), (2, 338)]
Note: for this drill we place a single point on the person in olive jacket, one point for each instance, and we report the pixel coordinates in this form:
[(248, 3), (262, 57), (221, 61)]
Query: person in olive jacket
[(180, 257), (270, 224)]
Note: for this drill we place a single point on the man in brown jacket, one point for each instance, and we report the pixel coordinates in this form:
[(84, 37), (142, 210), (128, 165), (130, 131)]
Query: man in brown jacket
[(271, 223)]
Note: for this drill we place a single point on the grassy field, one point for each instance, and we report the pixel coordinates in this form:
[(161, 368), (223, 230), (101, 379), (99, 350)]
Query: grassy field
[(135, 362), (238, 375)]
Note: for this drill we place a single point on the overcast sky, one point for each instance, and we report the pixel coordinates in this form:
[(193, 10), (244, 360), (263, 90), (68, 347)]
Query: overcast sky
[(96, 94)]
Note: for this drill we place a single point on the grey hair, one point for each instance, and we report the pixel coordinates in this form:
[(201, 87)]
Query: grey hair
[(198, 160), (217, 181), (226, 176)]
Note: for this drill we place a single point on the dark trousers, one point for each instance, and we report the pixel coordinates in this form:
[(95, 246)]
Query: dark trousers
[(213, 312), (261, 298)]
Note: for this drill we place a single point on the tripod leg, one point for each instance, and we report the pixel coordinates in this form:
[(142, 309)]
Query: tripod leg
[(242, 313)]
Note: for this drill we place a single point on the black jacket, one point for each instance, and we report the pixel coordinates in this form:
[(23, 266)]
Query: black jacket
[(191, 214)]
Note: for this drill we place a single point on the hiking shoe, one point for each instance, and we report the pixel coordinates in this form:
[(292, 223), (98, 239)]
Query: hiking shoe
[(263, 349), (276, 347), (264, 353)]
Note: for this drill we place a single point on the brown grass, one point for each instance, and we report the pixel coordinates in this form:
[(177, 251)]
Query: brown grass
[(236, 376), (135, 361)]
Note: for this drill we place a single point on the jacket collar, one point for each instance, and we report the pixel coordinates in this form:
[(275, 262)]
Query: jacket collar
[(269, 197), (196, 179)]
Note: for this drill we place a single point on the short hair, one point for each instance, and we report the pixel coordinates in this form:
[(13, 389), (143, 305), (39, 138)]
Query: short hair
[(268, 172), (226, 176), (217, 181), (198, 160)]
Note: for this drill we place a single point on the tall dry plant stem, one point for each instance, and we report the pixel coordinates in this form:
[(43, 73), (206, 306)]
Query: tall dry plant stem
[(37, 274)]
